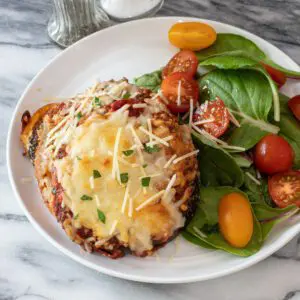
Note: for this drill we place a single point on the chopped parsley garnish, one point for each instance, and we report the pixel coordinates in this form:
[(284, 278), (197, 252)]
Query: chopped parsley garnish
[(53, 191), (152, 149), (79, 116), (124, 177), (86, 198), (128, 152), (145, 181), (76, 217), (96, 174), (78, 158), (126, 96), (97, 102), (101, 216), (145, 166)]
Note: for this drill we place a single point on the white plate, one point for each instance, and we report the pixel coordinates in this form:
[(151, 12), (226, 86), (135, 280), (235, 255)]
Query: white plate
[(129, 49)]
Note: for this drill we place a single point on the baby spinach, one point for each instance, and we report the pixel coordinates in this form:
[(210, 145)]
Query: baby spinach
[(246, 92), (290, 129), (270, 216), (233, 44), (241, 160), (241, 62), (207, 217), (227, 43), (151, 81), (217, 167)]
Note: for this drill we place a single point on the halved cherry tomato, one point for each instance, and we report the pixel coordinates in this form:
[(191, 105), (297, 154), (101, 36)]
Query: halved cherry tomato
[(235, 219), (273, 154), (276, 75), (192, 35), (284, 188), (216, 116), (294, 105), (184, 61), (180, 89)]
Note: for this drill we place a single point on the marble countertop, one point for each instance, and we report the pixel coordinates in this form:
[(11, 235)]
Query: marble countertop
[(31, 268)]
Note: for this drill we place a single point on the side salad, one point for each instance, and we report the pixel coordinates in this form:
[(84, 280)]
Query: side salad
[(228, 91)]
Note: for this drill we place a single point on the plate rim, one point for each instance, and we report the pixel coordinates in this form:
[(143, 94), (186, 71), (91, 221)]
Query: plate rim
[(133, 277)]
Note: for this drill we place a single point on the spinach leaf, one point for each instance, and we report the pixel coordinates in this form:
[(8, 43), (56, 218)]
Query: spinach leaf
[(232, 44), (242, 62), (207, 216), (241, 160), (227, 43), (290, 129), (195, 240), (151, 81), (270, 216), (217, 167), (246, 92)]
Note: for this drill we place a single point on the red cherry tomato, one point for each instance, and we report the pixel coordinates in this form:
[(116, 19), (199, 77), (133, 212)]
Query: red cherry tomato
[(294, 105), (215, 112), (276, 75), (273, 154), (184, 61), (284, 188), (179, 89)]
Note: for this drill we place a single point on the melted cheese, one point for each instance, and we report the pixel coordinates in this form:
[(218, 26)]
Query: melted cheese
[(118, 202)]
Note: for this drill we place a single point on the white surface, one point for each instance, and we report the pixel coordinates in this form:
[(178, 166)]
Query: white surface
[(125, 9), (128, 50)]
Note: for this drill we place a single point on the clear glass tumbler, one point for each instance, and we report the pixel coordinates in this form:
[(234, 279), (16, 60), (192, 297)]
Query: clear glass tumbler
[(74, 19), (125, 10)]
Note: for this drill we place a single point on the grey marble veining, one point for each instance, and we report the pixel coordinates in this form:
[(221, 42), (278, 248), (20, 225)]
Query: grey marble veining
[(30, 268)]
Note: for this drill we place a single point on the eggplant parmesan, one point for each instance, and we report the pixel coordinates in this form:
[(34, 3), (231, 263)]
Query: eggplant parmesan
[(114, 167)]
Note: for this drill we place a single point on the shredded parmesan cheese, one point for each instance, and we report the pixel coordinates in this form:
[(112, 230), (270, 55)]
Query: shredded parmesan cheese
[(168, 163), (204, 121), (191, 112), (154, 136), (26, 179), (195, 152), (125, 197), (97, 200), (92, 183), (115, 168), (150, 130), (169, 186), (179, 93), (130, 208), (139, 105), (149, 200), (253, 178), (113, 227)]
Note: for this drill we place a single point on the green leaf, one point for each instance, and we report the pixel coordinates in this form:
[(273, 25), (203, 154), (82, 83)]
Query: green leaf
[(79, 116), (246, 92), (96, 174), (86, 198), (76, 217), (145, 181), (227, 43), (275, 216), (101, 216), (128, 152), (290, 129), (124, 177), (241, 160), (232, 44), (152, 149), (78, 158), (97, 102), (145, 166), (195, 240), (217, 167), (126, 95), (206, 216), (150, 81)]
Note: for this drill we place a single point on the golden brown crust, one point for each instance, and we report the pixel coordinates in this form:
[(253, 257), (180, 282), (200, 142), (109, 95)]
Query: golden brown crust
[(164, 124)]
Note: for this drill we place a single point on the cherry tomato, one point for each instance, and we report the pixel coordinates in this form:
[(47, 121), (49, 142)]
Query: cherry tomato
[(192, 35), (215, 112), (184, 61), (133, 112), (284, 188), (294, 105), (276, 75), (235, 219), (179, 89), (273, 154)]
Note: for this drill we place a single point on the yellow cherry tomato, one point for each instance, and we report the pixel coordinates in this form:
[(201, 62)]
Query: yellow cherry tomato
[(192, 35), (236, 219)]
